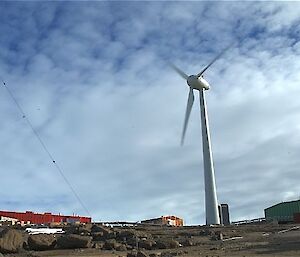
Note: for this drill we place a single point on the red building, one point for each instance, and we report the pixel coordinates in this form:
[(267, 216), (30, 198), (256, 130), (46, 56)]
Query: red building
[(39, 218)]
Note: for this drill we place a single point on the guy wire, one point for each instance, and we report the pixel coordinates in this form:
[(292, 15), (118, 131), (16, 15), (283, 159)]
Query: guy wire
[(59, 169)]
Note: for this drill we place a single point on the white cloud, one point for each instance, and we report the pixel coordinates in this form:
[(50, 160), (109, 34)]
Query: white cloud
[(96, 87)]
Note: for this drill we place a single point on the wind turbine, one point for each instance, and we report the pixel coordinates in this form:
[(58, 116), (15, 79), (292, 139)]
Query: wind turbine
[(197, 82)]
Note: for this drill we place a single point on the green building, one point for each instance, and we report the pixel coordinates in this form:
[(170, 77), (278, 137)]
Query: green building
[(283, 212)]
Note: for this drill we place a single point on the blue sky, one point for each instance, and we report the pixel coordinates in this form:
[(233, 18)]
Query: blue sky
[(93, 79)]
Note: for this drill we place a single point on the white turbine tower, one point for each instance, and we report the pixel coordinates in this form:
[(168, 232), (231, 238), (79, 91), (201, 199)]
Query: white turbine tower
[(197, 82)]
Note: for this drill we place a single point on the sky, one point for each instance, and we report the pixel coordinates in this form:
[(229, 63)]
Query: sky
[(94, 81)]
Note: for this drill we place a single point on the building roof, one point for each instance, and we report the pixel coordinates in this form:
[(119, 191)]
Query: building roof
[(289, 202)]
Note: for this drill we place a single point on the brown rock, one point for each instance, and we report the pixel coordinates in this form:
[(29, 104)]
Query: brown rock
[(167, 243), (99, 228), (88, 226), (74, 241), (83, 231), (71, 229), (132, 241), (174, 244), (146, 244), (107, 233), (98, 236), (129, 247), (11, 241), (217, 236), (126, 234), (133, 253), (161, 244), (187, 242), (78, 229), (98, 245), (111, 235), (110, 244), (121, 247), (41, 242)]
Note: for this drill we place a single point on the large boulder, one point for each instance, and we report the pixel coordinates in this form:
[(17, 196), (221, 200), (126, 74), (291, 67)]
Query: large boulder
[(126, 234), (11, 241), (110, 244), (41, 242), (71, 229), (98, 236), (74, 241), (167, 244), (187, 242), (106, 232), (84, 231), (132, 237), (99, 228), (174, 244), (147, 244), (78, 230), (160, 244), (121, 247)]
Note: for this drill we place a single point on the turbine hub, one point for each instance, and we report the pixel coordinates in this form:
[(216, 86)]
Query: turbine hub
[(197, 83)]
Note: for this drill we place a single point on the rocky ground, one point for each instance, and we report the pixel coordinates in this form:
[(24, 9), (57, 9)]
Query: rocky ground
[(154, 241)]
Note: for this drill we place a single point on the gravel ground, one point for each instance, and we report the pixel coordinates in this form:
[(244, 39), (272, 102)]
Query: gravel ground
[(236, 241)]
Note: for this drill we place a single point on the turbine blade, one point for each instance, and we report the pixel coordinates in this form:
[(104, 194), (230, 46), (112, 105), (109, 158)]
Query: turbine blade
[(187, 113), (215, 59), (179, 71)]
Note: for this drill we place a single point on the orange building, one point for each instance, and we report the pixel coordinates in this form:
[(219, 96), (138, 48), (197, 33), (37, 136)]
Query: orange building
[(165, 220)]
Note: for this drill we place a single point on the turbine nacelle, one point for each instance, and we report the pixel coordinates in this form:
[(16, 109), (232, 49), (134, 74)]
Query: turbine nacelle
[(197, 83), (194, 82)]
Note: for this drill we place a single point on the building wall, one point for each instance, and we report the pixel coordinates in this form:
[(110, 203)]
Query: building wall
[(38, 218), (156, 221), (297, 217), (7, 221), (165, 220), (283, 212), (2, 218), (173, 220), (225, 214)]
